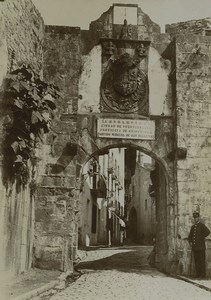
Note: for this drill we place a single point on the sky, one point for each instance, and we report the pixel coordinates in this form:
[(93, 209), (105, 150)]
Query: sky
[(82, 12)]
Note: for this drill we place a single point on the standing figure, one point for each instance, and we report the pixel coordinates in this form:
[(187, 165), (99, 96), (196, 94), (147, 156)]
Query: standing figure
[(122, 232), (196, 239), (126, 32)]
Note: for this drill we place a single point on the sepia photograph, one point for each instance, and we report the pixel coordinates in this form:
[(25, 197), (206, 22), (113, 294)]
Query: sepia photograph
[(105, 149)]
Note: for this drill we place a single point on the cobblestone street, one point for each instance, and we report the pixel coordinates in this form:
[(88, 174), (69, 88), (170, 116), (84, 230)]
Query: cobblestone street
[(123, 273)]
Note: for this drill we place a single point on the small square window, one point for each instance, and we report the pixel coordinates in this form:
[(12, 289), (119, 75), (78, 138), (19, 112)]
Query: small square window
[(123, 12)]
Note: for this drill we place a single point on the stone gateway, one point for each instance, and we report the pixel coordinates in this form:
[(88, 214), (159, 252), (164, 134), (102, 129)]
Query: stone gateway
[(123, 84)]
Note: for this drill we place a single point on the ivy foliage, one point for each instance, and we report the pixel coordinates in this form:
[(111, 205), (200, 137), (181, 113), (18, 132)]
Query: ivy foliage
[(29, 102)]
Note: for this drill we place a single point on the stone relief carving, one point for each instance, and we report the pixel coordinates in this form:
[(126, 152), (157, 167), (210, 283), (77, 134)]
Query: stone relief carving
[(124, 87), (141, 50), (109, 48), (126, 32)]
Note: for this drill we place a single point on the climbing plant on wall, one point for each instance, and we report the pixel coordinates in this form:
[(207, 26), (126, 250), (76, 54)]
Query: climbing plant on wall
[(29, 102)]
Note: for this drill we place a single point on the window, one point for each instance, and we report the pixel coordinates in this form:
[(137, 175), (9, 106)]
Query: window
[(94, 218), (146, 204), (125, 12)]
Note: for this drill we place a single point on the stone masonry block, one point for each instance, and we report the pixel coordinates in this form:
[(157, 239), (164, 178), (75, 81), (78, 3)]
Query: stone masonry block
[(50, 258), (49, 239), (51, 181), (44, 214)]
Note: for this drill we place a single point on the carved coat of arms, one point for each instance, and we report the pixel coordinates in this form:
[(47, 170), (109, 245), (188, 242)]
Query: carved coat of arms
[(124, 86)]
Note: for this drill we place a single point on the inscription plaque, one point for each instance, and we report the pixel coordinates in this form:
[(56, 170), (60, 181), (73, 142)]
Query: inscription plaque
[(126, 129)]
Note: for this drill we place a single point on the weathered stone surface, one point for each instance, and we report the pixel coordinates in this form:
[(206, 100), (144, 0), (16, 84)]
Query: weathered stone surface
[(50, 258), (21, 39), (53, 191), (63, 64), (27, 30), (193, 88), (201, 27), (179, 97)]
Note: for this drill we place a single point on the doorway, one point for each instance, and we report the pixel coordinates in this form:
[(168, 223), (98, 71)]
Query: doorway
[(128, 189)]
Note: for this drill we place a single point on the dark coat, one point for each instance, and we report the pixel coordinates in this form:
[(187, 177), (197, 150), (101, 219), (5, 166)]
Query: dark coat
[(197, 236)]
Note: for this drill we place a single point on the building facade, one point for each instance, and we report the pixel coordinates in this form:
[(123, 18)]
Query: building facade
[(142, 207), (102, 200)]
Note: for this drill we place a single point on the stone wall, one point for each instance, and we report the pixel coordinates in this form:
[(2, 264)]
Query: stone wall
[(56, 200), (164, 244), (21, 37), (24, 32), (62, 64), (193, 106), (56, 207), (201, 26)]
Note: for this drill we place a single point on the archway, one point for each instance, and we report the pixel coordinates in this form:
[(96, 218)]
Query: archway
[(159, 190), (64, 194)]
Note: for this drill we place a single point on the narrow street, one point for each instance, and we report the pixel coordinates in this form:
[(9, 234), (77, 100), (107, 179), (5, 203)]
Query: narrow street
[(123, 273)]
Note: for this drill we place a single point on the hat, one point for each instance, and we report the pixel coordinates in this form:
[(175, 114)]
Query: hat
[(195, 214)]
